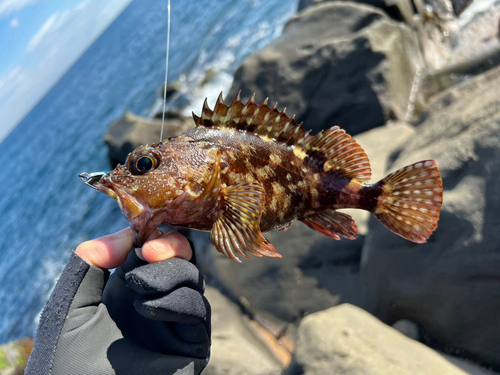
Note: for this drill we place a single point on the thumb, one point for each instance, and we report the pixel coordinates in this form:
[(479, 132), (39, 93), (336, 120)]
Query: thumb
[(169, 245), (109, 251)]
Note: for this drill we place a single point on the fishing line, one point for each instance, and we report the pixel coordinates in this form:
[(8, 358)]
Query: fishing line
[(166, 71)]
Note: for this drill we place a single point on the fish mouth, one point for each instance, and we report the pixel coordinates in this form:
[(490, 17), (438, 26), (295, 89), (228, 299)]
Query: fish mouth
[(102, 181), (91, 178)]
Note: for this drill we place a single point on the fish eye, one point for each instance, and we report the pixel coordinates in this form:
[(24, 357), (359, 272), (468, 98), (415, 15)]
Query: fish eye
[(143, 164)]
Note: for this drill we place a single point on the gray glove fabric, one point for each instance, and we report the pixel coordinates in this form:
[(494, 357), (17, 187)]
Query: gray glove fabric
[(146, 319)]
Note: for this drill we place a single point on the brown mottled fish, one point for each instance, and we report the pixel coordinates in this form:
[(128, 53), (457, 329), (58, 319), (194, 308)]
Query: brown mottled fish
[(248, 168)]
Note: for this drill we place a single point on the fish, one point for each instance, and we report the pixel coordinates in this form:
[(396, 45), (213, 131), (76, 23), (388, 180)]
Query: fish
[(248, 168)]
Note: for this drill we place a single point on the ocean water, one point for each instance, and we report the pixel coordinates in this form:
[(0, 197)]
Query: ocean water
[(45, 210)]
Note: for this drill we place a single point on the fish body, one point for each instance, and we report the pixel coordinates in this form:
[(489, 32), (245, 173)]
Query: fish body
[(248, 168)]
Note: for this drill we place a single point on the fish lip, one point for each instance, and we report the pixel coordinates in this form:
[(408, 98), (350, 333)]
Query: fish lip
[(131, 207), (137, 213), (95, 181), (101, 186)]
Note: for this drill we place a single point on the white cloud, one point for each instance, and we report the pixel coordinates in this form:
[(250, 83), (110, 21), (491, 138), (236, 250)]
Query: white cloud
[(51, 29), (44, 30), (64, 36), (9, 6), (14, 23)]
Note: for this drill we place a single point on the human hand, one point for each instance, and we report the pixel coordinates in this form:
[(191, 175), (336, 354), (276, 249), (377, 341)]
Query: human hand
[(111, 251), (147, 318)]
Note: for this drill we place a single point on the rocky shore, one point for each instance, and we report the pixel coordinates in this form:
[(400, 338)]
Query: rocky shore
[(411, 81), (14, 356)]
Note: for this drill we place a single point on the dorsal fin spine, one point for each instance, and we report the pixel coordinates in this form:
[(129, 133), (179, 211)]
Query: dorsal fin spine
[(206, 108), (197, 120), (220, 99), (335, 149), (237, 98)]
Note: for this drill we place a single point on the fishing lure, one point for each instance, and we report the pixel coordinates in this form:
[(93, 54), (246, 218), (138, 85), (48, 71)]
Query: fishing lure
[(249, 168)]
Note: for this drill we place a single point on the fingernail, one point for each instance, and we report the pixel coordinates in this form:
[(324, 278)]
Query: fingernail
[(168, 246), (160, 248), (138, 252)]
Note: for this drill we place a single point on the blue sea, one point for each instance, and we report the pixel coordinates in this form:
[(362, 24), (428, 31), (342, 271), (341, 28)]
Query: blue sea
[(45, 210)]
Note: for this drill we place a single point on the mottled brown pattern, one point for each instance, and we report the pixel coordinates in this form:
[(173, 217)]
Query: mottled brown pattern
[(249, 168), (250, 158)]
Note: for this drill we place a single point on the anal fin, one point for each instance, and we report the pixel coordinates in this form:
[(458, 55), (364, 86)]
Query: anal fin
[(333, 224), (237, 230)]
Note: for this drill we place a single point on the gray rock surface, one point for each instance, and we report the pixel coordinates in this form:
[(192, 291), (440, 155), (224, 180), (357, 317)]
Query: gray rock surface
[(313, 273), (236, 349), (348, 340), (453, 32), (450, 286), (336, 63), (303, 4), (391, 7), (132, 131)]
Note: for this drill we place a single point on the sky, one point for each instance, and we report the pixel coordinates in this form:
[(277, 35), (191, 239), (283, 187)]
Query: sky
[(39, 41)]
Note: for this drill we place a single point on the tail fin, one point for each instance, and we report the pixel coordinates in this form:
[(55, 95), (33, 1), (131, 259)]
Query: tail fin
[(411, 201)]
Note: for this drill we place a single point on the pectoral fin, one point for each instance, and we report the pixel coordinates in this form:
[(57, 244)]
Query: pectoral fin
[(237, 229), (333, 224)]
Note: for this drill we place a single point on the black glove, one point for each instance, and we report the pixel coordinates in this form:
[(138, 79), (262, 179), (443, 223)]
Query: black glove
[(152, 319), (160, 306)]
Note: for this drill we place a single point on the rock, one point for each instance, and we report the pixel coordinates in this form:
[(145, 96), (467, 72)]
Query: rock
[(303, 4), (236, 348), (457, 47), (467, 366), (450, 286), (391, 7), (456, 32), (336, 63), (14, 356), (307, 3), (437, 80), (475, 31), (407, 328), (348, 340), (132, 131), (173, 89), (315, 272)]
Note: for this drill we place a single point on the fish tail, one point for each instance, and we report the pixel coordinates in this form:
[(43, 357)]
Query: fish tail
[(411, 200)]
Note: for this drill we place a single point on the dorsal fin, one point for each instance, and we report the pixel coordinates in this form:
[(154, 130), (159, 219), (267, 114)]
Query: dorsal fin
[(251, 117), (333, 148), (339, 152)]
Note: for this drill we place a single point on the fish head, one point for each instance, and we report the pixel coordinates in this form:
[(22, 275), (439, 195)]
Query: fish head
[(172, 182)]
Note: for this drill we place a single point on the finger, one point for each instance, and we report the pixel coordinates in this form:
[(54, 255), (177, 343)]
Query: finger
[(164, 277), (170, 245), (108, 251), (157, 233)]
